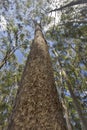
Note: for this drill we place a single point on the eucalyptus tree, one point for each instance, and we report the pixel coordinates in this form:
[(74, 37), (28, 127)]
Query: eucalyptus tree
[(37, 105), (68, 36)]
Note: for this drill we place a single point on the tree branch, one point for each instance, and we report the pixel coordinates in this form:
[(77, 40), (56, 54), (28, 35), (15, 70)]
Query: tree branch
[(73, 21), (8, 55), (69, 5)]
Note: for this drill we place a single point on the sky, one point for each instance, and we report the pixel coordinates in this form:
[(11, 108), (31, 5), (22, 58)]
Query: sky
[(12, 14)]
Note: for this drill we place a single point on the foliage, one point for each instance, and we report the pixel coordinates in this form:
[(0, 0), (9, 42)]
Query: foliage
[(69, 60)]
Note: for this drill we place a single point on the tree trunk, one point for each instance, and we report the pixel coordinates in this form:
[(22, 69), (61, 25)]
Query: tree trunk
[(75, 101), (77, 106), (69, 126), (37, 106)]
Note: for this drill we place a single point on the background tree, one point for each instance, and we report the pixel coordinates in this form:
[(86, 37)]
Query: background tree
[(67, 38)]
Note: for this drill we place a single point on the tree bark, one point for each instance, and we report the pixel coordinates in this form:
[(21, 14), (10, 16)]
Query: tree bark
[(37, 106)]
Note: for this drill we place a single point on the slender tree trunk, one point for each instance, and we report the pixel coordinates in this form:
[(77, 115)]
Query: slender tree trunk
[(69, 126), (37, 106), (77, 106), (76, 102)]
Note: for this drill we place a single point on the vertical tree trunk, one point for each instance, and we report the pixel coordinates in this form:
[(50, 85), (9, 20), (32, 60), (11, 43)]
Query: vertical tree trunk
[(77, 106), (75, 100), (69, 126), (37, 105)]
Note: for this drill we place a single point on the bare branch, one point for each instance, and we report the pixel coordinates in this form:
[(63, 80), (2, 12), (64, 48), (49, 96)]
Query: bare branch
[(8, 55), (73, 21), (69, 5)]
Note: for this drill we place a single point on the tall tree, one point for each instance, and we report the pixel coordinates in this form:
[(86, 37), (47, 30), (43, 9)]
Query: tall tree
[(37, 106)]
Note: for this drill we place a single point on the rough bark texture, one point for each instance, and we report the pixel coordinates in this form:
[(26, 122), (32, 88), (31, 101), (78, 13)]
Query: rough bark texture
[(37, 105)]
